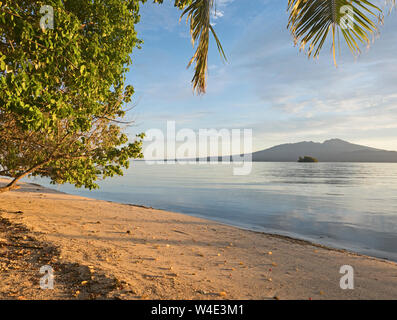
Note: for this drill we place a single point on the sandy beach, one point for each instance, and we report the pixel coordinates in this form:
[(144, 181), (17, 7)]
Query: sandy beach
[(104, 250)]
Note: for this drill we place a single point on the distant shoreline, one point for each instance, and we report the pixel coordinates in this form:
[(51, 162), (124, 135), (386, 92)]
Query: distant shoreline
[(258, 161), (332, 150)]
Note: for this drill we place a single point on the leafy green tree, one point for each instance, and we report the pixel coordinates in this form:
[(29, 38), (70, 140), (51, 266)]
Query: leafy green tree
[(64, 154), (62, 90)]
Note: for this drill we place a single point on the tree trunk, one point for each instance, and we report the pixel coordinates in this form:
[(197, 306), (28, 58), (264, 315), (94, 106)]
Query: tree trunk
[(11, 186)]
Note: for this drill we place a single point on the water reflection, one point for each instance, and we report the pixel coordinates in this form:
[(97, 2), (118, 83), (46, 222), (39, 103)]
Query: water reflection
[(347, 205)]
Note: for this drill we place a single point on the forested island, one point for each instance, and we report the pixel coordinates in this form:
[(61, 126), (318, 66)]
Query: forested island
[(307, 159)]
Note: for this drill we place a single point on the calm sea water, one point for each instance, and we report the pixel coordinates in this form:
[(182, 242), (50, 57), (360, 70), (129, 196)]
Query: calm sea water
[(344, 205)]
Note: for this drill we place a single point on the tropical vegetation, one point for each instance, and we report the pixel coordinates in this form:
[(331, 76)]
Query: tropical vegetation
[(63, 94), (307, 159)]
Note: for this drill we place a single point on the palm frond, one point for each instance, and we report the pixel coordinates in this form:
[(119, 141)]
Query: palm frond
[(392, 4), (198, 13), (311, 22)]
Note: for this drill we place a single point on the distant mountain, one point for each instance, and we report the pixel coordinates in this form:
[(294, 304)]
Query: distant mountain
[(334, 150)]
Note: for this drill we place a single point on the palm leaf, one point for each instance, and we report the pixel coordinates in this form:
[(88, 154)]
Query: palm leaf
[(199, 15), (311, 22)]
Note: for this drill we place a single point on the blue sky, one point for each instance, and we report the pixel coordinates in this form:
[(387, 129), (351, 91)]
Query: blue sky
[(266, 85)]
